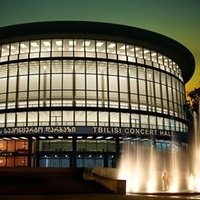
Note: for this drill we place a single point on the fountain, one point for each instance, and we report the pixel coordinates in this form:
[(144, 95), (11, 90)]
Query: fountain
[(150, 168)]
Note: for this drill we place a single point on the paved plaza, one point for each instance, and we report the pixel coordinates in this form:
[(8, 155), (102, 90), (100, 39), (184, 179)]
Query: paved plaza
[(98, 197)]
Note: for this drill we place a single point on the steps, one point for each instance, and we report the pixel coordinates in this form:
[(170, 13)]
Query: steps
[(46, 181)]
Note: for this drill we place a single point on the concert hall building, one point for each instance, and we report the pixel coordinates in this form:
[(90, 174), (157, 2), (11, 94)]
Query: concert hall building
[(71, 93)]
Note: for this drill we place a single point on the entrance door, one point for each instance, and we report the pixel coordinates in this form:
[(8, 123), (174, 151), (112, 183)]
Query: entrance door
[(54, 161)]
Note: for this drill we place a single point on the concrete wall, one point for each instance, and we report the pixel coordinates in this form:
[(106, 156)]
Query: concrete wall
[(108, 178)]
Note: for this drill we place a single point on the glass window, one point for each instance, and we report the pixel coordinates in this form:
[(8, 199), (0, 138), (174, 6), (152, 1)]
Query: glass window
[(68, 118), (139, 52), (2, 120), (121, 49), (100, 46), (114, 119), (14, 48), (80, 118), (147, 55), (157, 90), (125, 118), (68, 66), (68, 81), (23, 83), (141, 73), (164, 91), (78, 45), (132, 71), (91, 67), (45, 45), (33, 82), (133, 86), (142, 87), (160, 59), (91, 82), (34, 67), (90, 45), (24, 47), (79, 67), (154, 56), (123, 84), (102, 82), (112, 68), (91, 118), (3, 83), (21, 119), (35, 46), (56, 81), (10, 119), (103, 119), (80, 82), (56, 66), (130, 50), (12, 84), (111, 47), (122, 70), (44, 118), (12, 69), (23, 68), (57, 45), (5, 50), (113, 83), (144, 121)]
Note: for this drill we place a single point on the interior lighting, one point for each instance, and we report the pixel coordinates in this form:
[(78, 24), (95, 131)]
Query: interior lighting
[(79, 137), (89, 137), (71, 42), (50, 137), (22, 45), (112, 45), (59, 43), (110, 137), (60, 137), (34, 44), (122, 47), (13, 48), (42, 137), (15, 138), (5, 138), (137, 48), (99, 44), (87, 43), (69, 137), (23, 138), (46, 43), (99, 137)]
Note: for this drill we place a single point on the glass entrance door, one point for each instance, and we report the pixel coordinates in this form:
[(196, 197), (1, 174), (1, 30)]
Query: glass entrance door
[(54, 161)]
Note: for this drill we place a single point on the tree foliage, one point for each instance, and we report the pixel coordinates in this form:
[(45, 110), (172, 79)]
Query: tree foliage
[(194, 96)]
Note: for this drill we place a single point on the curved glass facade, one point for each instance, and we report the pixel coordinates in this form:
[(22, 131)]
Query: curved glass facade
[(89, 83), (72, 93)]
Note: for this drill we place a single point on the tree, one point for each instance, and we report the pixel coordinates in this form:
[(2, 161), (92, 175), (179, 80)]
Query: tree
[(194, 99)]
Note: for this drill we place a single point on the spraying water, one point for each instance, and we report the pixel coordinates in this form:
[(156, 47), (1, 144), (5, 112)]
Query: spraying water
[(149, 169)]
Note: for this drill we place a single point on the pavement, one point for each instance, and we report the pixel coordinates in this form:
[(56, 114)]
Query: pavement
[(100, 197)]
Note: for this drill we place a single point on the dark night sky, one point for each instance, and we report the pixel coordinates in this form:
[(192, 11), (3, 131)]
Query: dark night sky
[(177, 19)]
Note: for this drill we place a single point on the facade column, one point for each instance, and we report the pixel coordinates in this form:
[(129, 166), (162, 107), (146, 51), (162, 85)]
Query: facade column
[(74, 153), (29, 151), (117, 151), (36, 154), (105, 159)]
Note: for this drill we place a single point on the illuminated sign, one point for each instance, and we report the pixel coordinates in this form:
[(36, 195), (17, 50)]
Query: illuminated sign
[(86, 130)]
